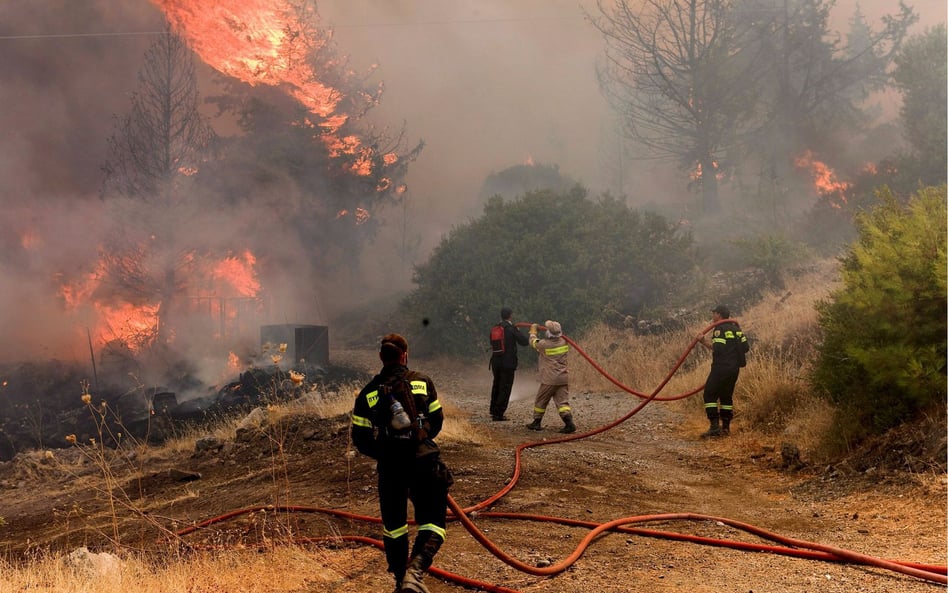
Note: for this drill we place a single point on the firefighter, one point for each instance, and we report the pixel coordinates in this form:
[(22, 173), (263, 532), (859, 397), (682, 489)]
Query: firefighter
[(728, 346), (553, 375), (503, 363), (395, 418)]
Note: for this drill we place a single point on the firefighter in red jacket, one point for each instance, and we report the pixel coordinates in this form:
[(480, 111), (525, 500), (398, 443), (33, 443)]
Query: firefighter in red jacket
[(504, 366), (395, 418)]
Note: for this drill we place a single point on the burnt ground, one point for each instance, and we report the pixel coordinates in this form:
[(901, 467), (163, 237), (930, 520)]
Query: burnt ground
[(652, 464)]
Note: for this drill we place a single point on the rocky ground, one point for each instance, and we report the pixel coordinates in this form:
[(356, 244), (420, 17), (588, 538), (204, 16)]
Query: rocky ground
[(651, 464)]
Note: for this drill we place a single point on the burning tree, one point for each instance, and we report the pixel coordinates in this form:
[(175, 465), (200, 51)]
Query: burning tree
[(727, 85), (677, 74), (164, 136), (813, 84), (299, 178), (298, 105), (156, 148)]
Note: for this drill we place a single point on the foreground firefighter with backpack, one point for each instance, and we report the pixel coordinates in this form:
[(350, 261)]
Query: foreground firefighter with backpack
[(394, 419)]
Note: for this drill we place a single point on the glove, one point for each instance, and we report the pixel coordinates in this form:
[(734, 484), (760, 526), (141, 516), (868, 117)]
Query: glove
[(533, 329)]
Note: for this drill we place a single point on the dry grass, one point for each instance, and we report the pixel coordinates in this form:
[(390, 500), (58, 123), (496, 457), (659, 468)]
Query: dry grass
[(772, 395), (235, 571), (90, 465), (772, 400)]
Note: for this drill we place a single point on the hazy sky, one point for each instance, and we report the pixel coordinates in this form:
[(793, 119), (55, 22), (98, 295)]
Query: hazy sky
[(486, 84), (493, 83)]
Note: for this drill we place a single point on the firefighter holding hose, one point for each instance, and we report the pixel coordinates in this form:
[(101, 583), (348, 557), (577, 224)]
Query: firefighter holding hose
[(728, 346), (395, 418), (554, 376)]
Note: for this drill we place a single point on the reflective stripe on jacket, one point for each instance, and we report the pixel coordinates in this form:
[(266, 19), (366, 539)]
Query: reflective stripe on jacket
[(552, 365)]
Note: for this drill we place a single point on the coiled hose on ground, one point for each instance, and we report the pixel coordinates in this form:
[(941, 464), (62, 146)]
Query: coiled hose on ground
[(785, 545)]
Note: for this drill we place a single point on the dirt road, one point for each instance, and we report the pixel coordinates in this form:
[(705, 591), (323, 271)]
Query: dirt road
[(651, 464)]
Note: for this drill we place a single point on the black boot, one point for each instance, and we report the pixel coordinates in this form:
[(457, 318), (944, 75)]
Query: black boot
[(414, 577), (714, 430), (568, 426), (421, 560), (725, 426), (535, 425)]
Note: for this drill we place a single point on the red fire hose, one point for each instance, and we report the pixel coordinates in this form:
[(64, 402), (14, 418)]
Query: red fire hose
[(789, 547)]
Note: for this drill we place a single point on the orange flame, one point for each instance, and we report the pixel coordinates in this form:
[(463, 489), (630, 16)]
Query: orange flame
[(696, 174), (136, 324), (239, 273), (823, 177), (267, 42), (30, 239), (361, 215), (258, 42)]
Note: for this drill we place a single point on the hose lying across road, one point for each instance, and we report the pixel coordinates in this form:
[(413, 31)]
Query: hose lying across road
[(785, 545)]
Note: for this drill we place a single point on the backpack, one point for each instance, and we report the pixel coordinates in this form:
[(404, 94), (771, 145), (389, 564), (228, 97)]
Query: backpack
[(399, 388), (497, 341)]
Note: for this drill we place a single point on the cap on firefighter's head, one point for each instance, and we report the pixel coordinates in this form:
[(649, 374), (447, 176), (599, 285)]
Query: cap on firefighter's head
[(392, 347), (506, 312), (722, 310), (554, 328)]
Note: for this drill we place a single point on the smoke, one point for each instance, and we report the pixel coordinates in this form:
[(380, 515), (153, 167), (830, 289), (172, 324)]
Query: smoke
[(495, 83), (485, 85)]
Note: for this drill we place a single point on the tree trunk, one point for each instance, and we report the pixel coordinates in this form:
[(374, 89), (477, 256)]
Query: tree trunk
[(710, 203)]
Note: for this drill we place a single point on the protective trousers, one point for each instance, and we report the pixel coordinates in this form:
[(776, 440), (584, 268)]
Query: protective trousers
[(560, 396), (424, 481), (500, 391), (719, 395)]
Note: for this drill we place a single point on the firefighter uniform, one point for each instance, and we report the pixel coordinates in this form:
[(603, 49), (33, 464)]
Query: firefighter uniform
[(409, 468), (504, 366), (553, 371), (728, 348)]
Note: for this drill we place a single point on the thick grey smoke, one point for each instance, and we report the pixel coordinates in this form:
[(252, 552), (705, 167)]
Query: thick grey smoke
[(486, 85), (494, 83)]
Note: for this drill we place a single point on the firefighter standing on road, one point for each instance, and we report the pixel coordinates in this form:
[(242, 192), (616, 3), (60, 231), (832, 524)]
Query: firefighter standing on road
[(728, 346), (553, 374), (394, 419), (504, 366)]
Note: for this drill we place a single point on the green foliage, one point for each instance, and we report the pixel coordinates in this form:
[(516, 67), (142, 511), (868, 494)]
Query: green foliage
[(772, 254), (922, 74), (520, 179), (883, 358), (546, 255)]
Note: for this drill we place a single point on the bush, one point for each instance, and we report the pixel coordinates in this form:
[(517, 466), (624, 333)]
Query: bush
[(546, 255), (882, 361)]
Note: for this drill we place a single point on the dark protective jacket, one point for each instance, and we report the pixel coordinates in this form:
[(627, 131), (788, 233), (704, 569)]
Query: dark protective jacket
[(372, 434), (728, 347), (512, 337)]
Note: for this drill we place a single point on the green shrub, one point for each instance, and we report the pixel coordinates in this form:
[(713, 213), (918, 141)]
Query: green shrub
[(883, 357), (547, 255), (773, 254)]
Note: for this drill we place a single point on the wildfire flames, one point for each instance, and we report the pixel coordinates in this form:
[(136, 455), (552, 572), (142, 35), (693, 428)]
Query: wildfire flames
[(133, 325), (823, 177), (696, 175), (267, 42), (273, 43)]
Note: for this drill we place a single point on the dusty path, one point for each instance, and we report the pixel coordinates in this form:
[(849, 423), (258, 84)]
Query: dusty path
[(651, 464)]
